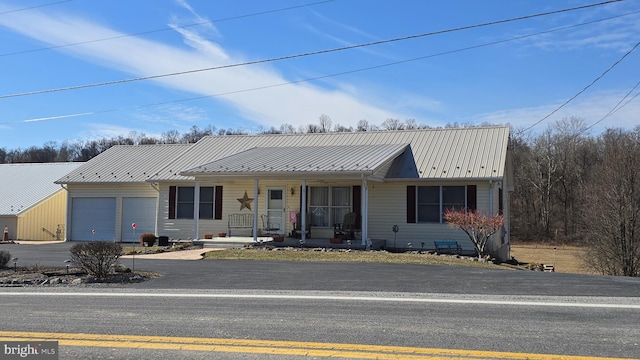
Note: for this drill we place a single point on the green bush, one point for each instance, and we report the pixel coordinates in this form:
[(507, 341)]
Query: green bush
[(148, 238), (5, 257), (97, 258)]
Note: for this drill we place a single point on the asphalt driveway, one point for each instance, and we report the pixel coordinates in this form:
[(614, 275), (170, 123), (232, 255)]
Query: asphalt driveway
[(323, 276)]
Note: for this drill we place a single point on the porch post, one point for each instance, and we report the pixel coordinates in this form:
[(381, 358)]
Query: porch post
[(303, 211), (364, 210), (196, 209), (255, 210)]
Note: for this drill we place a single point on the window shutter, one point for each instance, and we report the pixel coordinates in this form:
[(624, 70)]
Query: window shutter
[(217, 207), (472, 197), (411, 204), (356, 204), (172, 202)]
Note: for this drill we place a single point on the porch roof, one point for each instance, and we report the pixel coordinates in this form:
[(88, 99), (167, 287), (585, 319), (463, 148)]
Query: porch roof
[(342, 161)]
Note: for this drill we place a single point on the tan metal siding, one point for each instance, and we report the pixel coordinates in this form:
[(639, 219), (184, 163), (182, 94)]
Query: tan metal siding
[(48, 214)]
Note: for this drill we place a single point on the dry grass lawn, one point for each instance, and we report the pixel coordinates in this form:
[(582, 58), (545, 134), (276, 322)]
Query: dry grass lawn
[(567, 259)]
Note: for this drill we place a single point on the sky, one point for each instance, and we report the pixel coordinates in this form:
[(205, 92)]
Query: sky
[(252, 64)]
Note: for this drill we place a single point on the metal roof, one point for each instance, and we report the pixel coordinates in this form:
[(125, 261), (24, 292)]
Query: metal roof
[(456, 153), (326, 160), (24, 185), (124, 164)]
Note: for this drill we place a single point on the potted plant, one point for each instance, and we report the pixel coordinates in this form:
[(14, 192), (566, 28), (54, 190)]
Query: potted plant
[(148, 238), (208, 236), (222, 234)]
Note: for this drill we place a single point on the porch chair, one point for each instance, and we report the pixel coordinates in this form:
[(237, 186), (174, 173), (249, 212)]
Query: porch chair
[(267, 228), (297, 226), (346, 230)]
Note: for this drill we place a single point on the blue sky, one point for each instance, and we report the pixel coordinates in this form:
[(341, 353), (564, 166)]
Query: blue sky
[(516, 82)]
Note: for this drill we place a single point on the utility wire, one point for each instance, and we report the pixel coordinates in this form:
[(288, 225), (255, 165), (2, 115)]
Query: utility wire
[(331, 75), (34, 7), (164, 29), (615, 108), (583, 90), (288, 57)]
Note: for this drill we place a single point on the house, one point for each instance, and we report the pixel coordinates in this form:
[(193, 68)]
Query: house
[(32, 207), (388, 178)]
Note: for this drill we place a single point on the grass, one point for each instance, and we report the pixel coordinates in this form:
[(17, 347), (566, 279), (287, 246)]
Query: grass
[(291, 254), (567, 259)]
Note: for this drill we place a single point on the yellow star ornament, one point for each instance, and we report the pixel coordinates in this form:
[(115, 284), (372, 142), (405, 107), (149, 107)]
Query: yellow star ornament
[(245, 201)]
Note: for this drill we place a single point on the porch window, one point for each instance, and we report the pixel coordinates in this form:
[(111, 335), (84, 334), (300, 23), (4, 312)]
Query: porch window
[(185, 198), (434, 200), (329, 204)]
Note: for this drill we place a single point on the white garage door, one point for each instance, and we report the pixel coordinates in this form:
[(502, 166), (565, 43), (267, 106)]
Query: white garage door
[(89, 214), (142, 212)]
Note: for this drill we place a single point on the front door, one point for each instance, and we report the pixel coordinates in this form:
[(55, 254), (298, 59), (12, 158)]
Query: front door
[(275, 208)]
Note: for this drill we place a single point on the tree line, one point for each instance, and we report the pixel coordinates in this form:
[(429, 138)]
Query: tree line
[(570, 186)]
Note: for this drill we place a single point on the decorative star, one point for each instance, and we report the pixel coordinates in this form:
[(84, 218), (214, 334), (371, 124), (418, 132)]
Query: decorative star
[(245, 201)]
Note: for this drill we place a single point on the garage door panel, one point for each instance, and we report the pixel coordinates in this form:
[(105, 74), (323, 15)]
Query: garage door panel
[(88, 214), (142, 212)]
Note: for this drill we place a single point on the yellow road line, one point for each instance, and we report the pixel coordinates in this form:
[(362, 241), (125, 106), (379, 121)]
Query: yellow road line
[(273, 347)]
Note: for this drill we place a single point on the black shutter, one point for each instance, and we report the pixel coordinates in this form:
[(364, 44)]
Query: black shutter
[(172, 202), (411, 204), (217, 207), (472, 197), (356, 204)]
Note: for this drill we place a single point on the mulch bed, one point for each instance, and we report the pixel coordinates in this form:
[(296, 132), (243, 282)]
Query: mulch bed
[(48, 277)]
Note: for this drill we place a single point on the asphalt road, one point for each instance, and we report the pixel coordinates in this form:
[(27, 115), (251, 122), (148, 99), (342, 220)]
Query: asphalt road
[(268, 275), (485, 312)]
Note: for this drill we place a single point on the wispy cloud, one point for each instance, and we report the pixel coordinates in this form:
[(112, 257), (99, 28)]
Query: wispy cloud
[(296, 104), (617, 31), (592, 109)]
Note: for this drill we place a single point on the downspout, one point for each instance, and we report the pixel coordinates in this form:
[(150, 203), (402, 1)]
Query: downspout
[(490, 240), (364, 211), (196, 209), (303, 211), (490, 197), (155, 223), (255, 210), (66, 218)]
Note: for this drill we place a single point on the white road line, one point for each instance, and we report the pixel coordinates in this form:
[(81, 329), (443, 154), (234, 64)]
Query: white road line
[(635, 305)]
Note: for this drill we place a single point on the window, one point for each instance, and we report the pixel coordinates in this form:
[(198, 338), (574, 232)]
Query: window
[(185, 198), (328, 205), (434, 200)]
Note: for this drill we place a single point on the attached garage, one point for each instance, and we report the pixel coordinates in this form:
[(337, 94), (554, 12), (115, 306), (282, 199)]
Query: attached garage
[(142, 212), (93, 213)]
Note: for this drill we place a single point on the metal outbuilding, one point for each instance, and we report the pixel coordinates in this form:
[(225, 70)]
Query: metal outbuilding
[(32, 206)]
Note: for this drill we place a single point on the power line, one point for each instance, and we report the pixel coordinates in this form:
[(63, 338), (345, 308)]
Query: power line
[(583, 90), (334, 74), (34, 7), (616, 107), (165, 29), (288, 57)]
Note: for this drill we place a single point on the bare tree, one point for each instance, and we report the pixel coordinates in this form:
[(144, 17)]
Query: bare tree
[(392, 124), (287, 129), (478, 226), (613, 207), (363, 125), (170, 137), (325, 123)]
